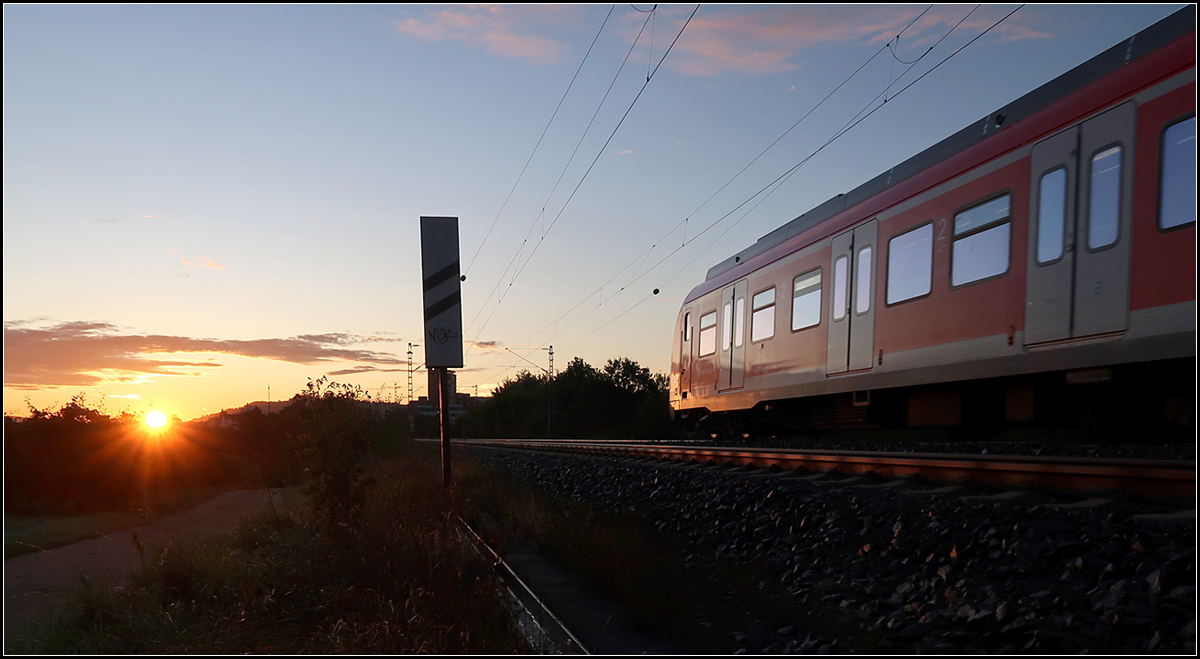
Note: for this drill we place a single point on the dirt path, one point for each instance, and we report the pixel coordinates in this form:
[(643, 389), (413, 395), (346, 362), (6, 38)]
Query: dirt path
[(34, 584)]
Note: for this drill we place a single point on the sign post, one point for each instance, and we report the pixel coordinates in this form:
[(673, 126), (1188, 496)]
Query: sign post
[(443, 314)]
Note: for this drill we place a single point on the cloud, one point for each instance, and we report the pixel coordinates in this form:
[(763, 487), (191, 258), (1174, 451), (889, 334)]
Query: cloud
[(368, 369), (625, 152), (770, 40), (203, 263), (86, 353), (485, 346), (503, 30)]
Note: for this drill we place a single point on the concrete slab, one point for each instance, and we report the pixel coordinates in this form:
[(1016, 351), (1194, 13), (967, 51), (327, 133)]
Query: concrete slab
[(1080, 505), (1003, 497), (945, 489), (601, 624), (886, 486), (1181, 516)]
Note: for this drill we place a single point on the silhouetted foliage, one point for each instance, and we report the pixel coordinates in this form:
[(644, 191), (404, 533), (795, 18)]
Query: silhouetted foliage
[(624, 400), (335, 436), (80, 459)]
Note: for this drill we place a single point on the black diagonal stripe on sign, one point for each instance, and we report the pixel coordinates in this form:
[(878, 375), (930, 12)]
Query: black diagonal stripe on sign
[(438, 308), (441, 276)]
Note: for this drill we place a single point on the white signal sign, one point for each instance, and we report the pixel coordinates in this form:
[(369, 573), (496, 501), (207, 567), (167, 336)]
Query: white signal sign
[(443, 299)]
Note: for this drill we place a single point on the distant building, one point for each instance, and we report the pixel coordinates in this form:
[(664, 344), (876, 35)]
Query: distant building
[(435, 390)]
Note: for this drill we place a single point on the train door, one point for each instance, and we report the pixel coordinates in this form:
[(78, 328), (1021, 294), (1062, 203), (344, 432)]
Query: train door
[(685, 355), (733, 337), (1077, 277), (852, 303)]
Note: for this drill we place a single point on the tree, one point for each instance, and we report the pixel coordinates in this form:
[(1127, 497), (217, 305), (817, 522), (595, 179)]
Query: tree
[(333, 438), (624, 400)]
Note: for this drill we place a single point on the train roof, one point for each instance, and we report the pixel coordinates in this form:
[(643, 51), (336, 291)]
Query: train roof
[(1139, 45)]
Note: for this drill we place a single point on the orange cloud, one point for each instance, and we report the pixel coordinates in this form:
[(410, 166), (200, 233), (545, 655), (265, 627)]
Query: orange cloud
[(503, 30), (770, 40), (203, 263), (85, 353)]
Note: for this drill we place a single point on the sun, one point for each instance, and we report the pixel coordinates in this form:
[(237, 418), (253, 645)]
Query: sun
[(156, 419)]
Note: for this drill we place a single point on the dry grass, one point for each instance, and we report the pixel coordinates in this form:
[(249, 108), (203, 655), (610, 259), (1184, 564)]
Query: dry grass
[(399, 582), (25, 534)]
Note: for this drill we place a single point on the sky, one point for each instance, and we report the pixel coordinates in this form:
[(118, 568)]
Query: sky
[(201, 202)]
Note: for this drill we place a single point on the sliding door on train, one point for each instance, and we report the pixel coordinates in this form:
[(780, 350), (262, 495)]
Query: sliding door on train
[(852, 304), (1077, 277), (732, 374)]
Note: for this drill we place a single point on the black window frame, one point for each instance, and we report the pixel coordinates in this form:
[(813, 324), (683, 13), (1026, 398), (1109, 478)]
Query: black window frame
[(1087, 231), (1066, 191), (820, 288), (1158, 210), (980, 229), (887, 277), (775, 319)]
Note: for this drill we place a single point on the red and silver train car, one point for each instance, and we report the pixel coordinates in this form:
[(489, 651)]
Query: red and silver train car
[(1033, 267)]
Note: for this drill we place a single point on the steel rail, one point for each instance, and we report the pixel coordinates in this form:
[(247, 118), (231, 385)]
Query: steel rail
[(564, 641), (1166, 479)]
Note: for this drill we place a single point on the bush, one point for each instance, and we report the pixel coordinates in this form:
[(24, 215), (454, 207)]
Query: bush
[(624, 400), (335, 434)]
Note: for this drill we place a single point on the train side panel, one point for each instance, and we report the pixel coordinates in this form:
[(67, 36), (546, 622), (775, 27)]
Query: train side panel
[(1067, 243)]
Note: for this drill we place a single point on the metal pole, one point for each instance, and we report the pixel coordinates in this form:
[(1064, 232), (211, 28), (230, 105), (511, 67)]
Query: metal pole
[(410, 347), (550, 397), (444, 413)]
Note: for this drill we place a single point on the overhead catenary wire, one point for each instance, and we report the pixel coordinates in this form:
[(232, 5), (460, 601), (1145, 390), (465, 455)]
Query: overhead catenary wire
[(782, 178), (861, 116), (542, 213), (539, 141), (599, 153), (644, 256)]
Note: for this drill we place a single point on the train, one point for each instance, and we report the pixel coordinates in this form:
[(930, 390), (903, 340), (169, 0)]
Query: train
[(1036, 268)]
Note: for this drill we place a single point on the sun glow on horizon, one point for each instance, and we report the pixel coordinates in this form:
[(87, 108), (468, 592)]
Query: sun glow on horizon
[(156, 419)]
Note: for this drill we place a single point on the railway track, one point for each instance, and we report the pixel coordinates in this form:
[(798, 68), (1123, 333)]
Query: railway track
[(1166, 480), (875, 569)]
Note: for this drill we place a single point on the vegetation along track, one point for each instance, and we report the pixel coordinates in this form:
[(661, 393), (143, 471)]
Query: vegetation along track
[(1151, 479)]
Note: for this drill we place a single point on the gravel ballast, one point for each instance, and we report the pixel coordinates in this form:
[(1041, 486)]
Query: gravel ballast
[(906, 572)]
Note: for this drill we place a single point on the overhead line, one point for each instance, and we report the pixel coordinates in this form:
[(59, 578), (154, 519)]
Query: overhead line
[(778, 181), (598, 154), (539, 142), (646, 254), (610, 137), (525, 240)]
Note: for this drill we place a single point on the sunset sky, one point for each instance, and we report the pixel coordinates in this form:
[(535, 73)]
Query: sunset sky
[(201, 201)]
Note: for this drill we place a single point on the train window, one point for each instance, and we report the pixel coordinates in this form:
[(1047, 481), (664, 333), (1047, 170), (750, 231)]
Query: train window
[(985, 214), (1052, 210), (687, 326), (840, 271), (739, 322), (1104, 200), (979, 256), (1177, 193), (910, 264), (806, 300), (981, 241), (708, 334), (762, 320), (726, 326), (862, 302)]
